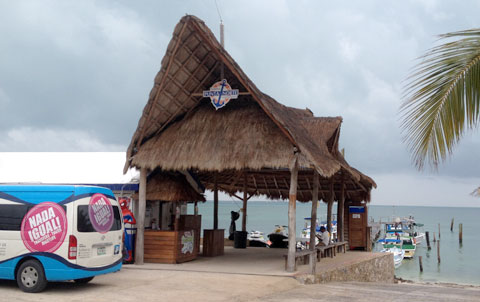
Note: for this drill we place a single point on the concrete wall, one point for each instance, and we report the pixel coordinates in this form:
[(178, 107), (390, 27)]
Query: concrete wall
[(377, 269)]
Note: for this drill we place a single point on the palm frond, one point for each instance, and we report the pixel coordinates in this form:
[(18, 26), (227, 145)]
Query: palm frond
[(476, 192), (442, 98)]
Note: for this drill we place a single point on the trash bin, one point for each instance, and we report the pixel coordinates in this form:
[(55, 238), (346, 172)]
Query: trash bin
[(240, 240)]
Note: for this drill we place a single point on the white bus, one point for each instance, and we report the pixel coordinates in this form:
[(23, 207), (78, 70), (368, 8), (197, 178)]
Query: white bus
[(58, 233)]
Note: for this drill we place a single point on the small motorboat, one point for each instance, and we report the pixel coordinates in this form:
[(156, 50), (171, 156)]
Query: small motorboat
[(401, 241), (256, 238), (279, 237), (398, 255)]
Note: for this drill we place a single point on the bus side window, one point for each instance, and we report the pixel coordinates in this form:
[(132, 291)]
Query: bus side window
[(11, 216), (84, 225)]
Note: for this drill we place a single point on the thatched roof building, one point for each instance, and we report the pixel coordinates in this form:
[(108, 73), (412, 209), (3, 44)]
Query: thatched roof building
[(253, 144), (180, 130)]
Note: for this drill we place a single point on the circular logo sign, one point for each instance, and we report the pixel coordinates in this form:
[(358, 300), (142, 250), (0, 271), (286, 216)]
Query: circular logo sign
[(44, 227), (220, 94), (100, 211)]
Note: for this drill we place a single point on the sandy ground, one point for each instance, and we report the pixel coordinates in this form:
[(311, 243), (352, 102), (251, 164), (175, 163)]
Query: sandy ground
[(141, 285)]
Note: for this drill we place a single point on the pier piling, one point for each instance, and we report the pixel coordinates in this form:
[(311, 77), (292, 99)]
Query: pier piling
[(434, 238), (427, 234), (438, 251), (460, 233), (451, 225), (420, 263), (439, 231)]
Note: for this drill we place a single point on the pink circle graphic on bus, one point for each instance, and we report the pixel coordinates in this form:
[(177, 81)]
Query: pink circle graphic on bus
[(100, 211), (44, 227)]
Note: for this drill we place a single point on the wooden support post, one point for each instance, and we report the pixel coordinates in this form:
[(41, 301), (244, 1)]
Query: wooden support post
[(215, 201), (420, 263), (135, 207), (460, 233), (292, 244), (331, 198), (451, 224), (434, 238), (195, 209), (340, 212), (313, 223), (427, 234), (142, 202), (439, 232), (177, 217), (438, 251), (245, 199)]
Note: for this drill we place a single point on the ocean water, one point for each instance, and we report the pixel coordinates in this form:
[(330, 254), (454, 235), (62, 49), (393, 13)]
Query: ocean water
[(459, 263)]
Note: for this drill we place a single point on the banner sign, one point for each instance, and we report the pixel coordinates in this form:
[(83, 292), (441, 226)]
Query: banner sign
[(220, 94), (187, 242), (44, 227), (100, 211)]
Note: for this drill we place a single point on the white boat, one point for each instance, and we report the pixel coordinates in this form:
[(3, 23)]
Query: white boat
[(408, 225), (398, 255), (419, 238)]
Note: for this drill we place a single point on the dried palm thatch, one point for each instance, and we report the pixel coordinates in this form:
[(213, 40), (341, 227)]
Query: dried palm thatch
[(179, 130), (191, 64), (170, 186), (241, 137)]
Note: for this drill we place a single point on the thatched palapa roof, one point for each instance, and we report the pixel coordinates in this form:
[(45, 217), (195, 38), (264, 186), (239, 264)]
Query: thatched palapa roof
[(180, 130), (170, 186)]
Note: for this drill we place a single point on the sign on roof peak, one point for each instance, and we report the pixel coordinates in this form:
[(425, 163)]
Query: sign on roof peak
[(220, 94)]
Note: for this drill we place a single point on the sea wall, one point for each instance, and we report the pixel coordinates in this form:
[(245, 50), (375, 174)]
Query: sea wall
[(379, 268)]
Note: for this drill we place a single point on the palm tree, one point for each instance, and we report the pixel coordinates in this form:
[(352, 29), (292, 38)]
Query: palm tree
[(442, 98)]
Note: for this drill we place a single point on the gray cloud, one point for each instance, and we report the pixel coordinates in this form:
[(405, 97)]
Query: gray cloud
[(86, 67)]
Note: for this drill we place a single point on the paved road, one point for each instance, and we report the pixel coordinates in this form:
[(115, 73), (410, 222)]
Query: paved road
[(358, 291), (135, 285)]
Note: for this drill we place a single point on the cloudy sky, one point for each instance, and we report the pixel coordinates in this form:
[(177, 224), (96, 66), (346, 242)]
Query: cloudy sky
[(75, 76)]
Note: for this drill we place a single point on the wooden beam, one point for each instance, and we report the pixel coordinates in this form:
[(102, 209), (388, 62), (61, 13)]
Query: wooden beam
[(234, 195), (177, 217), (276, 185), (266, 186), (292, 244), (340, 211), (234, 182), (142, 202), (308, 182), (226, 187), (255, 182), (215, 201), (245, 199), (331, 198), (313, 222)]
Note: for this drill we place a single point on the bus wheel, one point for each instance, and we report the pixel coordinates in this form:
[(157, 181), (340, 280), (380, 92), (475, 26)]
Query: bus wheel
[(83, 280), (30, 277)]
